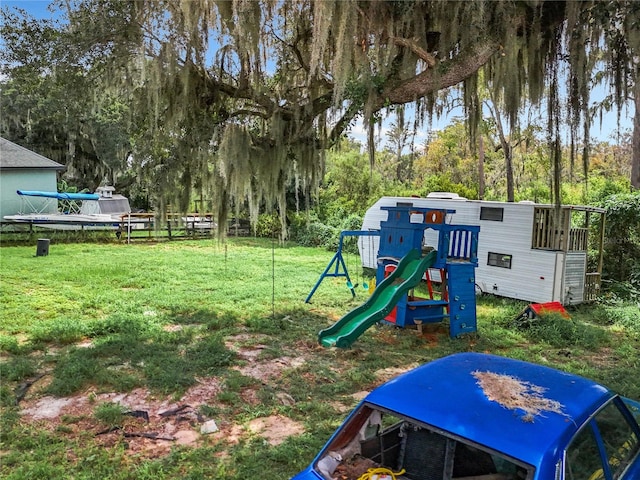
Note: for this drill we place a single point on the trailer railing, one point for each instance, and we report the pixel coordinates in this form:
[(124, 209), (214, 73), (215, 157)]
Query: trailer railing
[(591, 286), (578, 239), (549, 232)]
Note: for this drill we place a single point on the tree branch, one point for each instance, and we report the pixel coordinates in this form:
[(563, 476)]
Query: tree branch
[(412, 45), (446, 74), (342, 124)]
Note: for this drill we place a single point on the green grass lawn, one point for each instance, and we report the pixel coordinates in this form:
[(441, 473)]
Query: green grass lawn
[(223, 329)]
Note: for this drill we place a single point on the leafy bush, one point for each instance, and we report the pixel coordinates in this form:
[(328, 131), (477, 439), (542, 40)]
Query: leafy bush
[(350, 186), (615, 292), (298, 223), (352, 222), (622, 247), (268, 226), (443, 183), (317, 234)]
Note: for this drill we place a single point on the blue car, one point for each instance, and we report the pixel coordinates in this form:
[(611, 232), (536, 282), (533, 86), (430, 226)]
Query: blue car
[(472, 416)]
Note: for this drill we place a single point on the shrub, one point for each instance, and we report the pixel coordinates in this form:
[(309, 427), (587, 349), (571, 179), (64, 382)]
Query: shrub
[(622, 248), (352, 222), (268, 226), (317, 234)]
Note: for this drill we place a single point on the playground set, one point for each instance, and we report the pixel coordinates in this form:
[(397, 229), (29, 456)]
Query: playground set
[(403, 260)]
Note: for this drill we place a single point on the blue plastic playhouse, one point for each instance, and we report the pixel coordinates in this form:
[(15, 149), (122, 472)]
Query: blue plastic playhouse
[(455, 263)]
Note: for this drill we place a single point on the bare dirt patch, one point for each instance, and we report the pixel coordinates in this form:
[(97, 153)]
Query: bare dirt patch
[(152, 424), (391, 372), (169, 422), (275, 429), (386, 335), (47, 407), (248, 347), (250, 396), (349, 403), (268, 370), (604, 357)]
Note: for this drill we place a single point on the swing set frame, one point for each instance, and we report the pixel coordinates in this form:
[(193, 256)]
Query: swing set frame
[(338, 261)]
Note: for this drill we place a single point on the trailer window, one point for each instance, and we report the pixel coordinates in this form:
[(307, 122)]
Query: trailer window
[(499, 260), (494, 214)]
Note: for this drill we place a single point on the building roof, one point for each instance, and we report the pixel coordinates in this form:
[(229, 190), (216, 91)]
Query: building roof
[(13, 155), (447, 394)]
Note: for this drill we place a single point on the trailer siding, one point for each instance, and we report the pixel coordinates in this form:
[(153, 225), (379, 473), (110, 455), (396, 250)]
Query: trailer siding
[(557, 284), (532, 273)]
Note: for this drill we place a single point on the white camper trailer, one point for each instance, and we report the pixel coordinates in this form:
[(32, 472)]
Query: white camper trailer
[(522, 254)]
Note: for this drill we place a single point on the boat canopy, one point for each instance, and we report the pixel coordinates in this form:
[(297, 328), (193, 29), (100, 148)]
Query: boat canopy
[(59, 195)]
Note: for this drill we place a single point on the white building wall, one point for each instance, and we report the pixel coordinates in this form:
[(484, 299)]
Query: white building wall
[(25, 179)]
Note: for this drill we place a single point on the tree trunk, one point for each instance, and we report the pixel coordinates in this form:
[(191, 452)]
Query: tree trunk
[(480, 167), (508, 158), (635, 143), (508, 152)]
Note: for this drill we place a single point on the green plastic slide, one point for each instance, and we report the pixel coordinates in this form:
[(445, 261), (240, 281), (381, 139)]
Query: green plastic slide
[(386, 295)]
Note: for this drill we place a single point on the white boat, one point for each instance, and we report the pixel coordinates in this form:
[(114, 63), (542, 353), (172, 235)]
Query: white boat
[(102, 210)]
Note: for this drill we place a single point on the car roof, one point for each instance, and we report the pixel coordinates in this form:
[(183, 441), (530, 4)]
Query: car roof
[(453, 394)]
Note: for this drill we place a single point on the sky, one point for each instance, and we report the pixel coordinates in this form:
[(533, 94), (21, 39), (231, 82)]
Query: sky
[(37, 8), (606, 131)]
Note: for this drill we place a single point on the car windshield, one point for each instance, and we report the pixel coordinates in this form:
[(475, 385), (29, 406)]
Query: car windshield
[(375, 438), (610, 438), (634, 408)]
